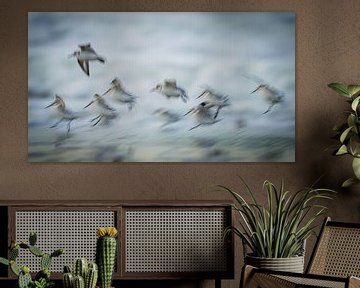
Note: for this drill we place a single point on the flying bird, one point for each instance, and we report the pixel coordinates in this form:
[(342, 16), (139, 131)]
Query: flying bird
[(119, 94), (171, 90), (203, 114), (62, 113), (270, 94), (86, 54), (104, 111), (214, 98), (168, 117)]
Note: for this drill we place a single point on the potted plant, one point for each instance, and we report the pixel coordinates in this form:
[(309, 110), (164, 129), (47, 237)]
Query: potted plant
[(42, 278), (275, 233), (348, 132)]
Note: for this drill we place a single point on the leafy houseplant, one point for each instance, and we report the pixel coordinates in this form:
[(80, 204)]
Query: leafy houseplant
[(280, 228), (348, 132)]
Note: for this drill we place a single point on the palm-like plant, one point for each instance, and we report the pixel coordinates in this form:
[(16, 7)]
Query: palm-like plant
[(280, 229)]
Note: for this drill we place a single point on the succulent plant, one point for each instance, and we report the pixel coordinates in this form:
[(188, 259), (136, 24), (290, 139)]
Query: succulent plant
[(85, 275), (106, 254), (42, 278)]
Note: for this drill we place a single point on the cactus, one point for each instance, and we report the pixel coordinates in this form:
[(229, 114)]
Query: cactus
[(24, 277), (106, 254), (87, 272), (80, 267), (42, 278), (91, 276), (36, 251), (32, 238), (68, 280), (79, 282), (45, 261), (13, 253)]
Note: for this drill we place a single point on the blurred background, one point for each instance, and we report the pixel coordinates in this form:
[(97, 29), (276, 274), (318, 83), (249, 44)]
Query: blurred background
[(230, 52)]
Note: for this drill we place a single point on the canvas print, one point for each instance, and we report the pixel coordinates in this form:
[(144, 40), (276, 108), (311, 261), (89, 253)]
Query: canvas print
[(161, 87)]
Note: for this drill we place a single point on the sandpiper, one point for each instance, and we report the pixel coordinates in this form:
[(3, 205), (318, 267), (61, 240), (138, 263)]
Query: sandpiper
[(63, 113), (167, 116), (203, 114), (171, 90), (104, 111), (120, 94), (271, 95), (86, 54), (216, 99)]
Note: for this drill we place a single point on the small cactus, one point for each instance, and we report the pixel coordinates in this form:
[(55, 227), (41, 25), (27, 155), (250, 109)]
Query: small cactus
[(36, 251), (89, 272), (91, 276), (79, 282), (24, 278), (45, 261), (81, 265), (32, 238), (106, 254)]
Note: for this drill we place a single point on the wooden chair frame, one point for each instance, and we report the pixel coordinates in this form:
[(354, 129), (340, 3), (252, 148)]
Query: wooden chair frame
[(255, 277)]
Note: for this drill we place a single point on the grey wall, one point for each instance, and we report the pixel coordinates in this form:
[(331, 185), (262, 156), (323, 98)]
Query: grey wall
[(327, 50)]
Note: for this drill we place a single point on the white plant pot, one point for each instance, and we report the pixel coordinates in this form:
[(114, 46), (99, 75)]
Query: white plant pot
[(291, 264)]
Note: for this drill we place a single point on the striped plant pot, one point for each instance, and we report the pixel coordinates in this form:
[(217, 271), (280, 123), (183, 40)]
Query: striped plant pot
[(291, 264)]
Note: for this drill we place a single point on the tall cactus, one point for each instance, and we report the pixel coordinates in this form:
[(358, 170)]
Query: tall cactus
[(106, 254)]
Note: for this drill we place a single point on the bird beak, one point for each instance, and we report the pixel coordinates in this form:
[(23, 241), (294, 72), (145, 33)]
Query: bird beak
[(88, 104), (71, 55), (200, 95), (52, 104), (189, 112), (255, 90), (153, 89)]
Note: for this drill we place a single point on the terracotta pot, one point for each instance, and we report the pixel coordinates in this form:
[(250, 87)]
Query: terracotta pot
[(291, 264)]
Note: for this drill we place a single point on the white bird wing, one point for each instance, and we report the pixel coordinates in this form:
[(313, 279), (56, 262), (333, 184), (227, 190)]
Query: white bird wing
[(84, 66)]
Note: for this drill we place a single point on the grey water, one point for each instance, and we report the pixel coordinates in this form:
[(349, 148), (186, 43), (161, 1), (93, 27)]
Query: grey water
[(228, 51)]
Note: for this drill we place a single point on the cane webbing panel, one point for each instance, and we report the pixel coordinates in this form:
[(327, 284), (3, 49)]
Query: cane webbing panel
[(338, 252), (74, 231), (175, 241), (312, 282)]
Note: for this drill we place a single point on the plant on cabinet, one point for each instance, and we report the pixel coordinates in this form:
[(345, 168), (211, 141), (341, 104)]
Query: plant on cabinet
[(275, 233)]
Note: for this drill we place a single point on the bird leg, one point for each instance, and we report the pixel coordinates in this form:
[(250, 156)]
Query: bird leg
[(57, 123), (194, 127)]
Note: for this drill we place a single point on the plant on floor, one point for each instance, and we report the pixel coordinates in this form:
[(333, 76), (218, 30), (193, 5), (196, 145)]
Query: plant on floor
[(42, 278), (280, 228), (85, 275), (106, 254), (348, 132)]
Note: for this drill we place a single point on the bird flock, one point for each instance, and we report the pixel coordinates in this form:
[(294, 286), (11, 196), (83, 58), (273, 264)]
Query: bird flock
[(205, 113)]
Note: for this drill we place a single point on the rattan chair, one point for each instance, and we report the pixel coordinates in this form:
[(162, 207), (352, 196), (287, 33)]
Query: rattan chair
[(334, 263)]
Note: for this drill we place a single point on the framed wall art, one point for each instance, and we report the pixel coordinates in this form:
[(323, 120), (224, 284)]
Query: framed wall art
[(161, 87)]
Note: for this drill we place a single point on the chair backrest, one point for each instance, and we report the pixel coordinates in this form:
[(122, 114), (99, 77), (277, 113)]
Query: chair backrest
[(337, 251)]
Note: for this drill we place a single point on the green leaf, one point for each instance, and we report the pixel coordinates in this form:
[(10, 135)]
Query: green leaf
[(4, 261), (342, 150), (355, 103), (356, 167), (349, 182), (345, 134), (340, 88), (353, 89)]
